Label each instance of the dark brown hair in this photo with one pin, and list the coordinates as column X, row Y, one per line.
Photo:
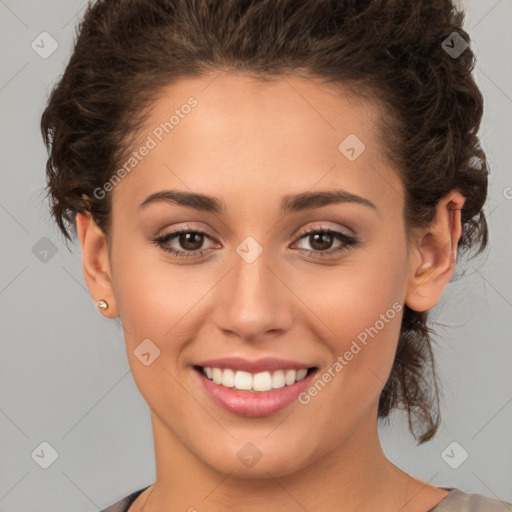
column 389, row 50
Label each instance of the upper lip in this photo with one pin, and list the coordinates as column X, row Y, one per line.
column 254, row 366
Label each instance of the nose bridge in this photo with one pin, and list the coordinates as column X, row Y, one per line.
column 252, row 300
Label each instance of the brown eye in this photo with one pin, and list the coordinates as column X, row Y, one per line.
column 190, row 241
column 184, row 243
column 321, row 241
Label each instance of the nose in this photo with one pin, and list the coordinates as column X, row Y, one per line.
column 253, row 300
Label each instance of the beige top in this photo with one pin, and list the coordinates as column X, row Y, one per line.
column 454, row 501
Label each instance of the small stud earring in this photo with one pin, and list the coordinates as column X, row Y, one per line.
column 102, row 304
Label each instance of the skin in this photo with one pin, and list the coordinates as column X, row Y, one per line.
column 242, row 136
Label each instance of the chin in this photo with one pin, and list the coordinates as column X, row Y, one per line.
column 258, row 460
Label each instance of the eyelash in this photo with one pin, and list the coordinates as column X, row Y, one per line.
column 347, row 242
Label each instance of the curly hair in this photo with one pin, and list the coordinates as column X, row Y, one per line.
column 392, row 51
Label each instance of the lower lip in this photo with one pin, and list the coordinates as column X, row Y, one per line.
column 256, row 403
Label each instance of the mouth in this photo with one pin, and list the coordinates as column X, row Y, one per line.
column 254, row 394
column 254, row 382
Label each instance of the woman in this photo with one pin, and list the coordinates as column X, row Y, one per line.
column 271, row 195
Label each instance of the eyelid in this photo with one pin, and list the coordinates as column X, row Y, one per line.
column 346, row 241
column 185, row 227
column 323, row 227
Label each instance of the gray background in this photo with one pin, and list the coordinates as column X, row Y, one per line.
column 64, row 375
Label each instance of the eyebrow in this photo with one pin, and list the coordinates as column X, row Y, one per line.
column 289, row 203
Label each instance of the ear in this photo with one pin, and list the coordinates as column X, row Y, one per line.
column 95, row 262
column 434, row 254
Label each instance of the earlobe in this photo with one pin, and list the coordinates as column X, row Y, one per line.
column 95, row 264
column 434, row 256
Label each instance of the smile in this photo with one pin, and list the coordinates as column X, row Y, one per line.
column 262, row 381
column 253, row 388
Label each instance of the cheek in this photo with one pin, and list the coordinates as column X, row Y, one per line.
column 354, row 295
column 155, row 301
column 360, row 308
column 153, row 295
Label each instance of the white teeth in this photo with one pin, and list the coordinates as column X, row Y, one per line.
column 301, row 374
column 217, row 375
column 263, row 381
column 228, row 378
column 243, row 380
column 289, row 377
column 278, row 379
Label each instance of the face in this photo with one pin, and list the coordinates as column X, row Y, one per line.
column 269, row 277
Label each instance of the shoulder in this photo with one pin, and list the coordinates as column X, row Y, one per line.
column 124, row 504
column 459, row 501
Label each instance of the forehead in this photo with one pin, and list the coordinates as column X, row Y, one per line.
column 258, row 139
